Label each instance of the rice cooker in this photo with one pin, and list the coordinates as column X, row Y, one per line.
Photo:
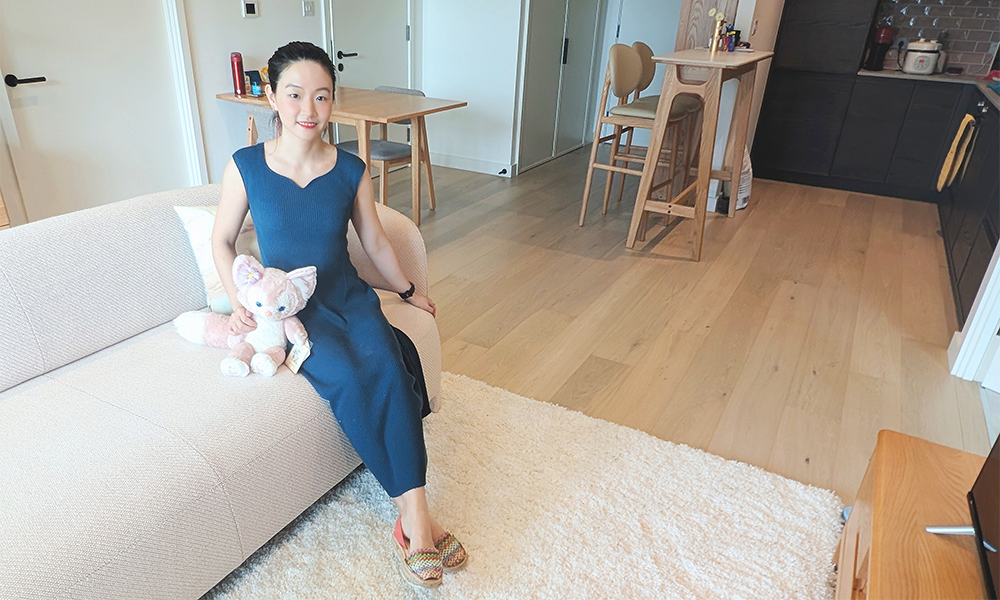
column 921, row 57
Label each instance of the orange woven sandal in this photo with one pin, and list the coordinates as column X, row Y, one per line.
column 453, row 555
column 421, row 567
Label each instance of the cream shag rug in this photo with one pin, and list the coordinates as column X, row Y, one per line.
column 551, row 503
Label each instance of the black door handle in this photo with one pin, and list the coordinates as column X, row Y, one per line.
column 12, row 80
column 341, row 55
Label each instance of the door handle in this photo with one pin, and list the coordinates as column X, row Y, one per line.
column 342, row 55
column 12, row 80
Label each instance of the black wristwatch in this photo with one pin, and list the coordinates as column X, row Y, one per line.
column 406, row 295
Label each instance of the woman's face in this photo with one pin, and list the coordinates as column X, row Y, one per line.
column 303, row 99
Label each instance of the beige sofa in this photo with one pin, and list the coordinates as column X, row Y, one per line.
column 130, row 467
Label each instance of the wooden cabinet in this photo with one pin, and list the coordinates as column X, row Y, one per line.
column 884, row 551
column 871, row 129
column 800, row 121
column 931, row 119
column 823, row 37
column 885, row 136
column 971, row 214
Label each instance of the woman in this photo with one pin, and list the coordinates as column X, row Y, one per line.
column 301, row 192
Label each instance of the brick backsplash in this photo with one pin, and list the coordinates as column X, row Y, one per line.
column 968, row 29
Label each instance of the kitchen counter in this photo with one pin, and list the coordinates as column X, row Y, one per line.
column 887, row 74
column 975, row 80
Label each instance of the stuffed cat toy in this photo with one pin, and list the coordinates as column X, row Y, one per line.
column 273, row 297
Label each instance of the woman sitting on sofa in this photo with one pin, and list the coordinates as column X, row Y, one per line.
column 302, row 192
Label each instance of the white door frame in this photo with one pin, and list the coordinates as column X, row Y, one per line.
column 970, row 347
column 179, row 45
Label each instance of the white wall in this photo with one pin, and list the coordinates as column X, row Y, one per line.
column 469, row 50
column 216, row 28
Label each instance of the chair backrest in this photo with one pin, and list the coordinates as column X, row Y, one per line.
column 399, row 90
column 648, row 67
column 263, row 118
column 625, row 69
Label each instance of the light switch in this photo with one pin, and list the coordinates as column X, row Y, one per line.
column 250, row 8
column 308, row 8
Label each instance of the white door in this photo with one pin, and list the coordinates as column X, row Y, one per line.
column 105, row 124
column 578, row 75
column 371, row 48
column 557, row 78
column 540, row 108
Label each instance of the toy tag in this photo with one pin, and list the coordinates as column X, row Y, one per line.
column 298, row 355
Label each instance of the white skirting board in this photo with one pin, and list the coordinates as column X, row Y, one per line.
column 471, row 164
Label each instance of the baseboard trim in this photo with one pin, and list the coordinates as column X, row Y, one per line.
column 471, row 164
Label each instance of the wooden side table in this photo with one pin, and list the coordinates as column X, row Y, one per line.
column 699, row 72
column 884, row 552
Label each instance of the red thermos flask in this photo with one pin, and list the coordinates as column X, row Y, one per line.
column 239, row 79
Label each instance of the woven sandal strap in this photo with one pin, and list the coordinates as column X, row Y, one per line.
column 423, row 559
column 447, row 545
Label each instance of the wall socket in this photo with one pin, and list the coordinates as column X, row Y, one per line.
column 250, row 9
column 308, row 8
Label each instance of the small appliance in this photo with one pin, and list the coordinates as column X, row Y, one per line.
column 880, row 44
column 921, row 57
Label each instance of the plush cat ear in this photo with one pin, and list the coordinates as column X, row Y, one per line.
column 246, row 271
column 305, row 280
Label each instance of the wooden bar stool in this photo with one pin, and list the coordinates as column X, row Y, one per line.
column 626, row 74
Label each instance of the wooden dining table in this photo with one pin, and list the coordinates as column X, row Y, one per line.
column 363, row 108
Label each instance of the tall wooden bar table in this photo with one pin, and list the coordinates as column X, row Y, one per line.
column 361, row 108
column 699, row 72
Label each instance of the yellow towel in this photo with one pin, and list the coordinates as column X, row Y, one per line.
column 956, row 153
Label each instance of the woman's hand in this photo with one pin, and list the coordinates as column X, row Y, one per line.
column 421, row 301
column 241, row 321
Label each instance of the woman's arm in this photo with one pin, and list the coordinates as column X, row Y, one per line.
column 229, row 219
column 377, row 246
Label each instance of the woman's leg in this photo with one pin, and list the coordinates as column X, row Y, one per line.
column 418, row 524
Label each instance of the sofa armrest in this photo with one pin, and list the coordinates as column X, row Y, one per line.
column 406, row 241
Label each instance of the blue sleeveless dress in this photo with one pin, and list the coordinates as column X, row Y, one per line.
column 358, row 361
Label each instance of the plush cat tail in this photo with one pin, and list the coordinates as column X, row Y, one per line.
column 208, row 329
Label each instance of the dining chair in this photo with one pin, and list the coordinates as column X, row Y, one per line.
column 386, row 154
column 627, row 74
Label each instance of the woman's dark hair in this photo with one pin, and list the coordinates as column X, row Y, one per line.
column 294, row 52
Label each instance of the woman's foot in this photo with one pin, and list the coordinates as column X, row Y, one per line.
column 453, row 554
column 421, row 566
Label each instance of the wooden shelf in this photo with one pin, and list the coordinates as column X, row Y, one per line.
column 884, row 551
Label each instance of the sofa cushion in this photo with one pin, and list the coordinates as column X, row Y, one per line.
column 93, row 494
column 74, row 284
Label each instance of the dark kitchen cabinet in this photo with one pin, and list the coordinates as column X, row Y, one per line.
column 823, row 37
column 975, row 268
column 931, row 119
column 970, row 217
column 867, row 134
column 871, row 129
column 800, row 121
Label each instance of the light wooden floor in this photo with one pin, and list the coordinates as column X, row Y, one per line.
column 816, row 317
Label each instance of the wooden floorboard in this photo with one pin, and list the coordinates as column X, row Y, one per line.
column 816, row 317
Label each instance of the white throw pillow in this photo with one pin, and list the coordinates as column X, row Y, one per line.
column 198, row 222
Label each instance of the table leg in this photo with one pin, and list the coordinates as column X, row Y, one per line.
column 710, row 120
column 418, row 131
column 251, row 131
column 364, row 136
column 738, row 132
column 667, row 95
column 426, row 153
